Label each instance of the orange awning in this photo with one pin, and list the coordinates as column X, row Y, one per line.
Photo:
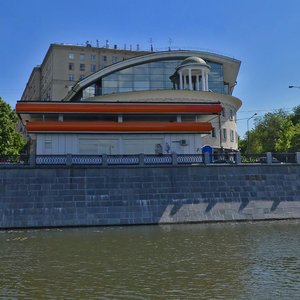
column 117, row 108
column 131, row 127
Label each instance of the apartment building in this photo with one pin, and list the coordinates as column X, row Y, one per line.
column 66, row 64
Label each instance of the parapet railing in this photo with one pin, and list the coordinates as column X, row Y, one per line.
column 110, row 160
column 235, row 158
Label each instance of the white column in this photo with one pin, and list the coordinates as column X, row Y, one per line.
column 203, row 80
column 190, row 79
column 197, row 83
column 181, row 83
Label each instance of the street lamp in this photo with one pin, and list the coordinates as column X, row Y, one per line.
column 248, row 135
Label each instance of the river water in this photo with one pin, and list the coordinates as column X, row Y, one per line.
column 253, row 260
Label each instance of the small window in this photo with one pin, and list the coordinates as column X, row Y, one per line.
column 213, row 132
column 71, row 77
column 231, row 135
column 231, row 115
column 93, row 68
column 82, row 67
column 71, row 56
column 114, row 59
column 82, row 56
column 93, row 57
column 224, row 134
column 81, row 77
column 104, row 58
column 223, row 112
column 71, row 66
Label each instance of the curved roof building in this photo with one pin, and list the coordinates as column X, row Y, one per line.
column 157, row 103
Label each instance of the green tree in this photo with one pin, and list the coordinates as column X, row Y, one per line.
column 273, row 132
column 296, row 115
column 295, row 143
column 11, row 142
column 242, row 145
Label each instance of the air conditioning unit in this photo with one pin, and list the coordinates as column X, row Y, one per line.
column 183, row 143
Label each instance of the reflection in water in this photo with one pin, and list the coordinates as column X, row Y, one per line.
column 258, row 260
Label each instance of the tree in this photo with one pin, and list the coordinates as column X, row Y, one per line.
column 242, row 145
column 273, row 132
column 295, row 143
column 11, row 142
column 296, row 115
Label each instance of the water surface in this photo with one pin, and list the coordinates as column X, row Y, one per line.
column 259, row 260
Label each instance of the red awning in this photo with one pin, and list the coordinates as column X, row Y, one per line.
column 117, row 108
column 114, row 127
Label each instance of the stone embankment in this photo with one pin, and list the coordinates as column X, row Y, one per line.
column 88, row 196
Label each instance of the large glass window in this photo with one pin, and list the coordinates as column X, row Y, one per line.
column 149, row 76
column 155, row 76
column 215, row 78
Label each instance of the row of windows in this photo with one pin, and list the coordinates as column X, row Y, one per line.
column 82, row 67
column 93, row 57
column 82, row 56
column 232, row 137
column 71, row 77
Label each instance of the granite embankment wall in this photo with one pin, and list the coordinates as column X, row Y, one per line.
column 80, row 196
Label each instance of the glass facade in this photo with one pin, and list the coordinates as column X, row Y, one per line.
column 153, row 76
column 216, row 79
column 149, row 76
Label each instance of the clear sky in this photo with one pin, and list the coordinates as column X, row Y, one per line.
column 263, row 34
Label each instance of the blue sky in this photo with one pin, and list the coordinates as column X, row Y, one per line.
column 264, row 35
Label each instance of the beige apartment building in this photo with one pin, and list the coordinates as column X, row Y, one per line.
column 66, row 64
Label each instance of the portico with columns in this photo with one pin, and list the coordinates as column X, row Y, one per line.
column 193, row 74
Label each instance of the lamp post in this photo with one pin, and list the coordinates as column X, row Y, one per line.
column 248, row 135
